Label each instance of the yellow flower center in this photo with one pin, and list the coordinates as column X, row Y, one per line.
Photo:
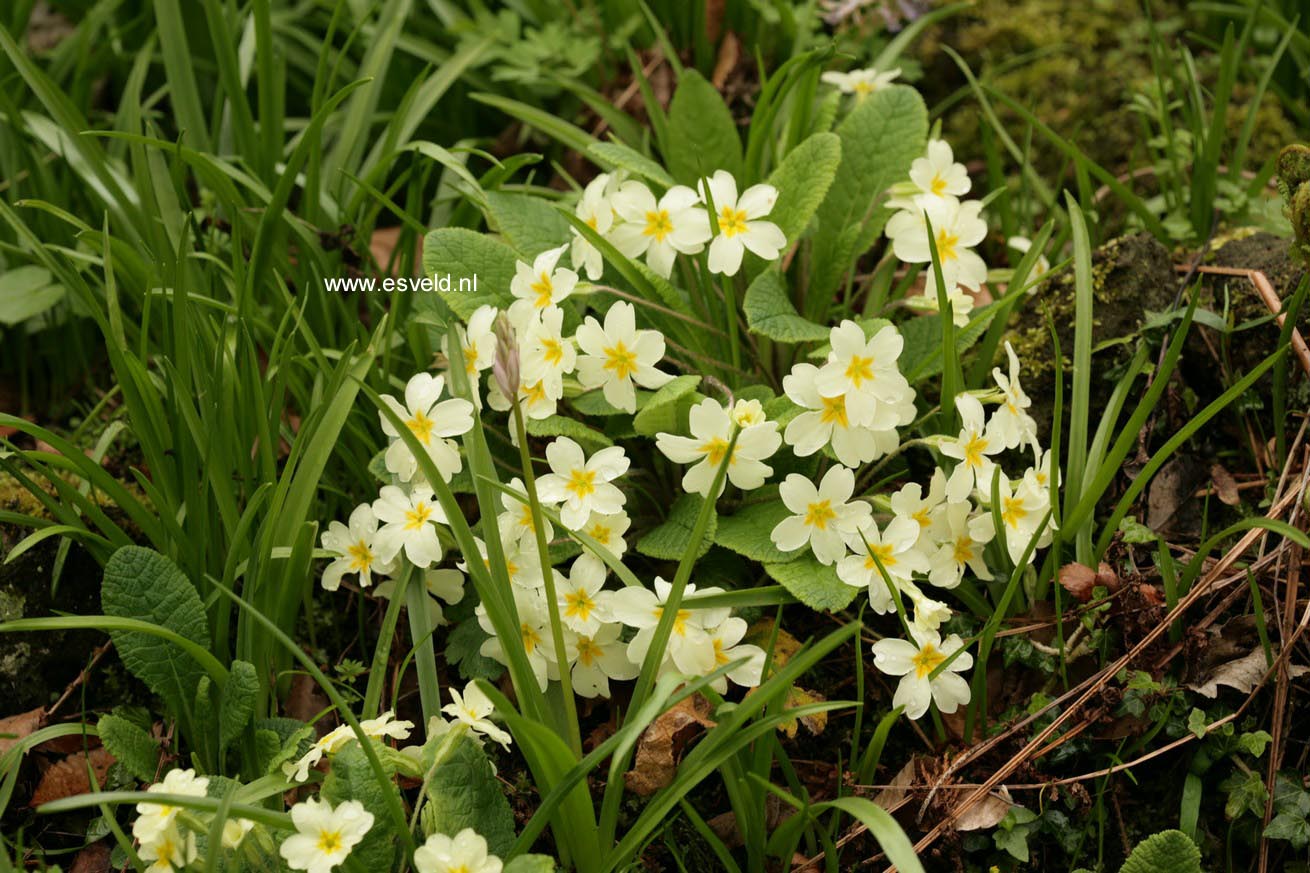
column 819, row 514
column 588, row 651
column 534, row 394
column 658, row 224
column 714, row 450
column 592, row 222
column 883, row 553
column 731, row 221
column 578, row 604
column 418, row 516
column 946, row 243
column 361, row 556
column 973, row 450
column 621, row 360
column 329, row 842
column 600, row 533
column 531, row 639
column 963, row 552
column 720, row 656
column 582, row 482
column 922, row 517
column 834, row 411
column 543, row 289
column 927, row 660
column 1013, row 511
column 862, row 88
column 421, row 426
column 859, row 370
column 553, row 351
column 937, row 185
column 679, row 623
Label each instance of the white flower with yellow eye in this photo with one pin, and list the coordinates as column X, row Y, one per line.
column 618, row 356
column 516, row 522
column 935, row 174
column 547, row 355
column 828, row 422
column 690, row 648
column 540, row 285
column 354, row 548
column 726, row 639
column 581, row 485
column 477, row 342
column 608, row 530
column 169, row 850
column 432, row 421
column 534, row 634
column 741, row 227
column 823, row 515
column 324, row 835
column 1023, row 512
column 861, row 83
column 659, row 230
column 863, row 370
column 1011, row 423
column 894, row 547
column 597, row 658
column 915, row 662
column 972, row 449
column 474, row 708
column 583, row 602
column 153, row 819
column 926, row 510
column 711, row 434
column 963, row 537
column 466, row 852
column 409, row 524
column 956, row 228
column 595, row 209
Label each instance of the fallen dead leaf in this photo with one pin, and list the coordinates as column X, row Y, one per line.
column 94, row 858
column 898, row 790
column 1079, row 579
column 69, row 778
column 784, row 644
column 1225, row 486
column 19, row 727
column 986, row 813
column 305, row 700
column 662, row 744
column 1242, row 674
column 813, row 723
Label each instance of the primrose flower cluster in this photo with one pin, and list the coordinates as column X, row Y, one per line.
column 531, row 359
column 322, row 835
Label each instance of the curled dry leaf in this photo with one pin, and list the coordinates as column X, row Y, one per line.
column 784, row 645
column 1079, row 579
column 814, row 723
column 897, row 792
column 662, row 744
column 1225, row 486
column 94, row 858
column 986, row 813
column 19, row 727
column 69, row 777
column 1242, row 674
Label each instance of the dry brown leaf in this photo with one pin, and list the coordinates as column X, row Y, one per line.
column 662, row 744
column 897, row 793
column 68, row 778
column 19, row 727
column 1225, row 486
column 784, row 644
column 94, row 858
column 305, row 700
column 814, row 723
column 1079, row 579
column 986, row 813
column 1242, row 674
column 726, row 62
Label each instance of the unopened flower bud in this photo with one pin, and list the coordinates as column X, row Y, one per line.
column 505, row 370
column 748, row 412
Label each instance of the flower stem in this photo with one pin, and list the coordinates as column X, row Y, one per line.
column 378, row 672
column 548, row 576
column 425, row 659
